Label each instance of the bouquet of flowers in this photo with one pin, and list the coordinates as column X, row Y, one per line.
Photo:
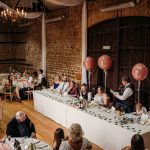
column 5, row 81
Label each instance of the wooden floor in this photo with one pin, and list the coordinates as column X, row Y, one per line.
column 44, row 126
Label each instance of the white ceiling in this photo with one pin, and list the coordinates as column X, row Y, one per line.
column 28, row 4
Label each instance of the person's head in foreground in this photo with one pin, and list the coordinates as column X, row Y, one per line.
column 137, row 142
column 58, row 137
column 75, row 139
column 75, row 133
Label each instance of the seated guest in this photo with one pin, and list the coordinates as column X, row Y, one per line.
column 18, row 83
column 35, row 78
column 13, row 72
column 101, row 97
column 20, row 126
column 24, row 85
column 140, row 109
column 9, row 86
column 58, row 137
column 40, row 77
column 119, row 112
column 126, row 99
column 24, row 73
column 63, row 86
column 75, row 139
column 84, row 93
column 137, row 143
column 72, row 90
column 56, row 83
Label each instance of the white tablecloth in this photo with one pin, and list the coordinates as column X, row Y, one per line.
column 25, row 143
column 50, row 108
column 99, row 126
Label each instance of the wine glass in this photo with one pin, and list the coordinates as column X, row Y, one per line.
column 9, row 137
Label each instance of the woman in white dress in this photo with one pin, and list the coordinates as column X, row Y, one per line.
column 101, row 97
column 75, row 139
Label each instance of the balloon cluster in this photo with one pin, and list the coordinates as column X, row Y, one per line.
column 139, row 71
column 104, row 62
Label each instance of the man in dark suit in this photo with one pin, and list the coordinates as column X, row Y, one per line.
column 20, row 126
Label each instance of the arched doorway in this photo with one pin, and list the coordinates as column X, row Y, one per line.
column 129, row 41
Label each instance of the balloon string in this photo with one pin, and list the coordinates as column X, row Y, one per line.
column 89, row 80
column 139, row 85
column 105, row 72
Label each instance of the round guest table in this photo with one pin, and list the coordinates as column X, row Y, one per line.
column 25, row 144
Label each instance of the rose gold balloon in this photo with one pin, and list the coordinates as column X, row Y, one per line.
column 139, row 71
column 88, row 63
column 104, row 62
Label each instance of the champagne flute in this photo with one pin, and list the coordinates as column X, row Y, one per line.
column 9, row 137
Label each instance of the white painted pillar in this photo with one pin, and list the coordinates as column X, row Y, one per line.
column 43, row 44
column 84, row 40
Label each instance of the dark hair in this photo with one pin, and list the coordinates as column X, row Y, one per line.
column 137, row 142
column 84, row 84
column 73, row 83
column 10, row 80
column 41, row 71
column 101, row 88
column 59, row 136
column 119, row 108
column 35, row 74
column 125, row 78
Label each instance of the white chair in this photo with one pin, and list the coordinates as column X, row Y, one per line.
column 29, row 92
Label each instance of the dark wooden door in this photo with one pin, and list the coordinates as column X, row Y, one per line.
column 129, row 41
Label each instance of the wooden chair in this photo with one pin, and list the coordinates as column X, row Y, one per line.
column 29, row 92
column 8, row 91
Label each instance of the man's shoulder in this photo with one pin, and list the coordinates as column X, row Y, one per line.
column 13, row 120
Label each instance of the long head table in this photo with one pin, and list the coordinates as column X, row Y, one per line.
column 99, row 126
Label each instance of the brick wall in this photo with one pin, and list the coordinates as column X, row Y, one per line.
column 34, row 46
column 5, row 49
column 25, row 49
column 64, row 44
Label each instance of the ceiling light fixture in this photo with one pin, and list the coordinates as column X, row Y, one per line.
column 12, row 15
